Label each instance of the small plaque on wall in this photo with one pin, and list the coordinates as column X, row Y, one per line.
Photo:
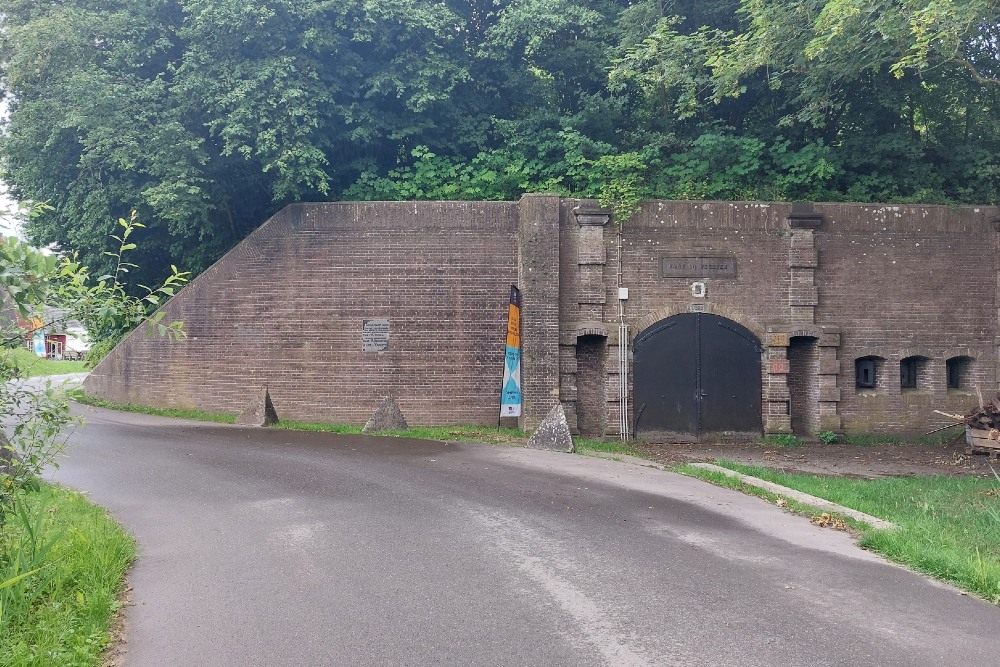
column 375, row 336
column 697, row 267
column 778, row 339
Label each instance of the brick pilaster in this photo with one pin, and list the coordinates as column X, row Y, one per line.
column 538, row 278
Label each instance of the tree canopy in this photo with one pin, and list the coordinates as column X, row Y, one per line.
column 209, row 115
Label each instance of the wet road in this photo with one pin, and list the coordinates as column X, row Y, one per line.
column 268, row 548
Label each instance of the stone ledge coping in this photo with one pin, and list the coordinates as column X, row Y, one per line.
column 798, row 496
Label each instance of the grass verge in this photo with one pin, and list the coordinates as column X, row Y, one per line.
column 180, row 413
column 466, row 433
column 35, row 366
column 462, row 433
column 586, row 445
column 949, row 527
column 61, row 614
column 488, row 434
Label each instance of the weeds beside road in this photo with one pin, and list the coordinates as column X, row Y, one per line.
column 948, row 526
column 62, row 561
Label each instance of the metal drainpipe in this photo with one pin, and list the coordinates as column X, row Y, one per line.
column 622, row 350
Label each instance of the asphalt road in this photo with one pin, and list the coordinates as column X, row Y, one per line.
column 263, row 547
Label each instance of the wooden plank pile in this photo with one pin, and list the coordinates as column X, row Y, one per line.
column 982, row 427
column 985, row 417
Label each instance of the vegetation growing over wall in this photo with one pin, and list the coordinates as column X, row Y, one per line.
column 211, row 115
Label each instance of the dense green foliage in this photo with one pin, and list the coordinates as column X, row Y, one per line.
column 211, row 115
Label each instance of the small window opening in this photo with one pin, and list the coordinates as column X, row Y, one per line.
column 913, row 373
column 908, row 373
column 864, row 373
column 958, row 370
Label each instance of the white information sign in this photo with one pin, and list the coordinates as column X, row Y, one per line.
column 375, row 336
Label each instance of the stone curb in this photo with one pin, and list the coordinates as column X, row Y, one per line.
column 798, row 496
column 623, row 458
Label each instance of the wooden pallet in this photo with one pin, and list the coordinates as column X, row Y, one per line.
column 981, row 441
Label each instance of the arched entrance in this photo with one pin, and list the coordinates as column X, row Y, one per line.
column 696, row 374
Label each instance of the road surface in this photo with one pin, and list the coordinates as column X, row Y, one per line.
column 271, row 547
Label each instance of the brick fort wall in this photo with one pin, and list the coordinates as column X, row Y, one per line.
column 287, row 306
column 821, row 286
column 830, row 282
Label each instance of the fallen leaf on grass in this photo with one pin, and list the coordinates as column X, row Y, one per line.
column 781, row 502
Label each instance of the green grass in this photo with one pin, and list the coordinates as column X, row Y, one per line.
column 317, row 426
column 180, row 413
column 720, row 479
column 942, row 437
column 781, row 440
column 584, row 445
column 463, row 433
column 488, row 434
column 61, row 615
column 949, row 527
column 38, row 366
column 466, row 433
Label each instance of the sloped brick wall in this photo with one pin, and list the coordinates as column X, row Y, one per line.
column 286, row 308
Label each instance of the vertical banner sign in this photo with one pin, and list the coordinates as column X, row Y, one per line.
column 510, row 393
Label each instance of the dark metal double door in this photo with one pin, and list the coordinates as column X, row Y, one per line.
column 696, row 374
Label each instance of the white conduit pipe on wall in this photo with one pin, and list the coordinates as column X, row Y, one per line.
column 622, row 350
column 623, row 380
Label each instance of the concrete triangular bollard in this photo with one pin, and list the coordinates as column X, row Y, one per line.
column 553, row 433
column 260, row 411
column 388, row 417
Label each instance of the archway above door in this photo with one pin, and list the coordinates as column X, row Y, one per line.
column 696, row 375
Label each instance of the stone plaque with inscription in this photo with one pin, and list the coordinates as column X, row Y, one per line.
column 697, row 267
column 375, row 336
column 778, row 340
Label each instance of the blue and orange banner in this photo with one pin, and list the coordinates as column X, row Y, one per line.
column 510, row 393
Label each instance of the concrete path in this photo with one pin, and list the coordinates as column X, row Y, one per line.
column 279, row 548
column 64, row 381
